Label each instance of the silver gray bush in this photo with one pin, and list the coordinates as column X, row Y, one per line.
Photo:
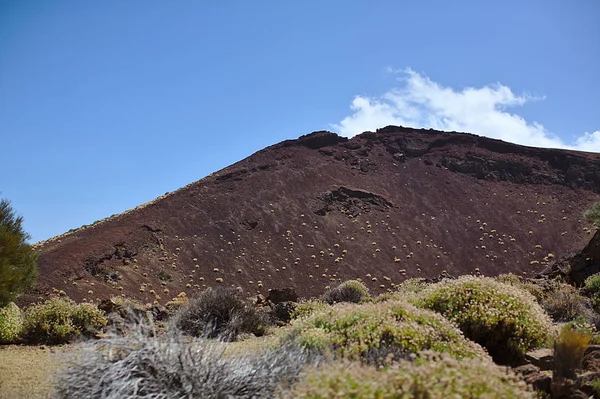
column 143, row 366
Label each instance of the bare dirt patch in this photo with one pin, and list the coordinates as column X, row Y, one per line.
column 27, row 371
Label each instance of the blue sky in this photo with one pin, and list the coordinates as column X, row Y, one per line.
column 105, row 105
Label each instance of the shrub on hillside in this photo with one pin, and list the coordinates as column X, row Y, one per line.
column 591, row 288
column 394, row 327
column 564, row 303
column 219, row 313
column 520, row 282
column 306, row 308
column 408, row 290
column 504, row 319
column 172, row 367
column 18, row 261
column 11, row 323
column 352, row 291
column 593, row 214
column 60, row 320
column 434, row 376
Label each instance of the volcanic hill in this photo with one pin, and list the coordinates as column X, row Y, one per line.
column 383, row 206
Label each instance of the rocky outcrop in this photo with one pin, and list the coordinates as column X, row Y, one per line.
column 576, row 267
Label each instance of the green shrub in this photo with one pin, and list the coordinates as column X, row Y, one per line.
column 220, row 313
column 60, row 320
column 309, row 307
column 11, row 323
column 370, row 330
column 433, row 376
column 504, row 319
column 352, row 291
column 18, row 261
column 593, row 214
column 592, row 289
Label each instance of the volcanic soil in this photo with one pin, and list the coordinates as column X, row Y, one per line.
column 383, row 206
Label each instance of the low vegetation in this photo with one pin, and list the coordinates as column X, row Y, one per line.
column 569, row 349
column 504, row 319
column 352, row 291
column 173, row 367
column 592, row 288
column 593, row 214
column 11, row 323
column 431, row 376
column 308, row 307
column 60, row 320
column 363, row 331
column 564, row 303
column 220, row 313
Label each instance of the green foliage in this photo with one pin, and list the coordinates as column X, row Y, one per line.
column 432, row 376
column 504, row 319
column 309, row 307
column 352, row 291
column 569, row 350
column 593, row 214
column 393, row 327
column 592, row 288
column 11, row 323
column 18, row 261
column 60, row 320
column 220, row 313
column 596, row 386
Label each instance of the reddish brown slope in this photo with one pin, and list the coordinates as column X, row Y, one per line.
column 306, row 213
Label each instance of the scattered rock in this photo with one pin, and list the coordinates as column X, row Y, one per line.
column 282, row 295
column 532, row 375
column 109, row 306
column 576, row 267
column 283, row 311
column 542, row 358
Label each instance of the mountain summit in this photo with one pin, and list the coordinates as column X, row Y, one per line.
column 383, row 206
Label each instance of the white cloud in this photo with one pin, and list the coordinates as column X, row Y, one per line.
column 420, row 102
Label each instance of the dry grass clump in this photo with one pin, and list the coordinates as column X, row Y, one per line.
column 433, row 376
column 11, row 323
column 174, row 366
column 394, row 327
column 220, row 313
column 504, row 319
column 564, row 303
column 352, row 291
column 60, row 320
column 569, row 350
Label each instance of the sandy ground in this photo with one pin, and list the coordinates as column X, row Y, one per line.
column 27, row 371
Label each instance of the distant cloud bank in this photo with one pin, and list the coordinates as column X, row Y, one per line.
column 420, row 102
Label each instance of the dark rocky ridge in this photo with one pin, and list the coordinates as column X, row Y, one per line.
column 311, row 212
